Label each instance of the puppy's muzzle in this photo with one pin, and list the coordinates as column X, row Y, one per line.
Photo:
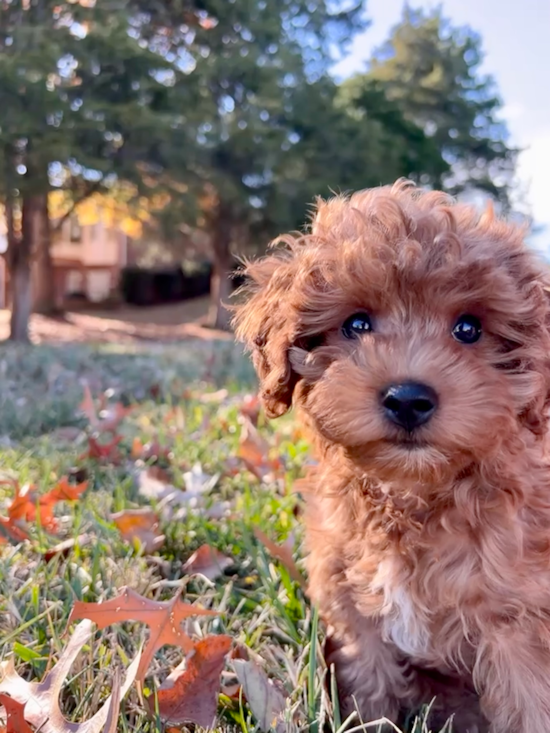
column 409, row 404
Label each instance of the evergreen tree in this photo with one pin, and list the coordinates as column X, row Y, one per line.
column 79, row 100
column 430, row 70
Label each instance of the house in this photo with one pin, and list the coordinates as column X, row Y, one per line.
column 87, row 261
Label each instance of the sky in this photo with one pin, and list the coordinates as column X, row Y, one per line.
column 516, row 41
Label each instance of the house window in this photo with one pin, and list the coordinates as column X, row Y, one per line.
column 75, row 229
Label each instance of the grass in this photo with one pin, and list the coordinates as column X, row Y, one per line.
column 41, row 437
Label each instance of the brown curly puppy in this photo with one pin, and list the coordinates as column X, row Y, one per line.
column 413, row 336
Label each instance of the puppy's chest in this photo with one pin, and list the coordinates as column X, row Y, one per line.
column 407, row 619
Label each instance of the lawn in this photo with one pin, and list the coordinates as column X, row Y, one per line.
column 168, row 430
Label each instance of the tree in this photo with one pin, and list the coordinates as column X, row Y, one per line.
column 79, row 97
column 248, row 62
column 429, row 69
column 344, row 138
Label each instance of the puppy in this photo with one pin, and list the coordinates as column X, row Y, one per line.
column 412, row 335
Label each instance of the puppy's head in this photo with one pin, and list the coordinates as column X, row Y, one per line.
column 412, row 331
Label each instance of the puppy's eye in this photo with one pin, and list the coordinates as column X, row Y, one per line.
column 467, row 329
column 356, row 325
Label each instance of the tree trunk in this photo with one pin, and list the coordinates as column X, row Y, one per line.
column 43, row 274
column 220, row 292
column 220, row 284
column 21, row 302
column 20, row 257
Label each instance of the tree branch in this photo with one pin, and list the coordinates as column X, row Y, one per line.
column 92, row 188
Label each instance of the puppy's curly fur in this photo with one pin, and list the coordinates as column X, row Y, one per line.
column 428, row 549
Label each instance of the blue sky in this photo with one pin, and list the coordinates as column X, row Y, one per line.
column 516, row 40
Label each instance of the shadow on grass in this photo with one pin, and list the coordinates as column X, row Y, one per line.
column 42, row 386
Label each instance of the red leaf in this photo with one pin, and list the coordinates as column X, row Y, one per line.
column 15, row 712
column 103, row 451
column 164, row 619
column 254, row 452
column 191, row 695
column 141, row 525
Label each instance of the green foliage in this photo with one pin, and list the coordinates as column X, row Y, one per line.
column 430, row 70
column 228, row 109
column 79, row 97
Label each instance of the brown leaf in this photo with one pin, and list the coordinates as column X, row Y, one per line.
column 164, row 619
column 103, row 451
column 112, row 715
column 108, row 419
column 10, row 532
column 266, row 701
column 139, row 525
column 62, row 491
column 207, row 561
column 251, row 407
column 254, row 452
column 283, row 553
column 27, row 504
column 15, row 718
column 41, row 699
column 87, row 406
column 190, row 695
column 148, row 451
column 25, row 497
column 156, row 485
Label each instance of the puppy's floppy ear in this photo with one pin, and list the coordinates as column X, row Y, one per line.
column 265, row 322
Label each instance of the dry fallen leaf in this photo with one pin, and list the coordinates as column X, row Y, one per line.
column 251, row 407
column 207, row 561
column 154, row 485
column 254, row 452
column 10, row 532
column 103, row 451
column 41, row 699
column 266, row 701
column 147, row 451
column 174, row 504
column 141, row 526
column 197, row 482
column 87, row 406
column 164, row 619
column 108, row 418
column 190, row 693
column 15, row 718
column 283, row 553
column 27, row 505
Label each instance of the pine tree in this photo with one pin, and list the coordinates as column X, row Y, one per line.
column 429, row 69
column 79, row 99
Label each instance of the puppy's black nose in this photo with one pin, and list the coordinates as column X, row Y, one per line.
column 409, row 404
